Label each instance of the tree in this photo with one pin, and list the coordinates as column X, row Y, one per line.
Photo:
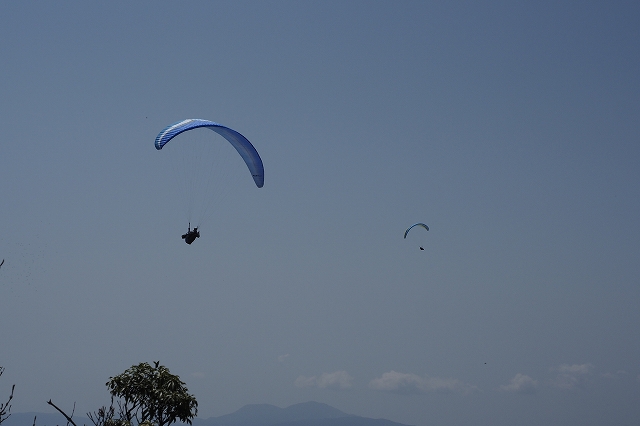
column 151, row 394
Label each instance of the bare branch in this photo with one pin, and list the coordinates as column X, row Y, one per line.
column 69, row 419
column 5, row 409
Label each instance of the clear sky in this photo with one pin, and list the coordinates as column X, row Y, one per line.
column 511, row 128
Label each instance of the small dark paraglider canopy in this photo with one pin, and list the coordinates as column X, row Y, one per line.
column 419, row 225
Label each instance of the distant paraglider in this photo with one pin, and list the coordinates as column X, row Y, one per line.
column 420, row 225
column 240, row 143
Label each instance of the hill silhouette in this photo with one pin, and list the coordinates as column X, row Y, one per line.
column 304, row 414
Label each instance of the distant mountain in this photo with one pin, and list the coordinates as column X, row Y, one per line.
column 343, row 421
column 304, row 414
column 265, row 415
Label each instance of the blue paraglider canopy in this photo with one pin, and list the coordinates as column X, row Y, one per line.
column 239, row 142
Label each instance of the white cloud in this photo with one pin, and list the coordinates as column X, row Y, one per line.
column 335, row 380
column 614, row 376
column 571, row 376
column 521, row 384
column 405, row 383
column 575, row 369
column 281, row 358
column 305, row 382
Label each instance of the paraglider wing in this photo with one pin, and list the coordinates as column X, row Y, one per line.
column 415, row 224
column 239, row 142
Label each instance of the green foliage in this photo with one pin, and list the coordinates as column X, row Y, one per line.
column 151, row 394
column 106, row 417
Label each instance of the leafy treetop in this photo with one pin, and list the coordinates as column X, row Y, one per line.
column 152, row 394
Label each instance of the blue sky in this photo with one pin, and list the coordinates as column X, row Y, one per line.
column 510, row 128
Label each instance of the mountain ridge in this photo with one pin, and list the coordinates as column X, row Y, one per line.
column 309, row 413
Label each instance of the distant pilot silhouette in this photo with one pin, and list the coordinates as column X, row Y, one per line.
column 191, row 236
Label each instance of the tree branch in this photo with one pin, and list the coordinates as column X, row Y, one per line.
column 69, row 419
column 5, row 409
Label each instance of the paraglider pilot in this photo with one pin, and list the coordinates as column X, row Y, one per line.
column 191, row 236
